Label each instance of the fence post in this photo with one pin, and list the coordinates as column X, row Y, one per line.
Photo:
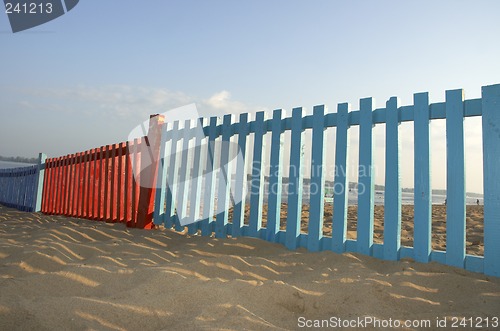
column 150, row 155
column 39, row 181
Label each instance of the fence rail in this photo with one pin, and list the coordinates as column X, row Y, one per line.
column 210, row 191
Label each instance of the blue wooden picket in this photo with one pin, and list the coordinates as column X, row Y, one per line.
column 455, row 179
column 295, row 181
column 491, row 175
column 223, row 196
column 366, row 182
column 240, row 177
column 341, row 183
column 257, row 183
column 275, row 179
column 315, row 226
column 392, row 198
column 185, row 176
column 172, row 177
column 199, row 161
column 209, row 178
column 422, row 179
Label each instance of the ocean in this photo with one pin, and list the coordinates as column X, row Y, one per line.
column 8, row 165
column 406, row 197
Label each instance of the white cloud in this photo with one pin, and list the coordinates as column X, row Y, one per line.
column 221, row 102
column 125, row 102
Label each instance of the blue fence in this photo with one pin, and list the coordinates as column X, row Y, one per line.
column 201, row 178
column 21, row 188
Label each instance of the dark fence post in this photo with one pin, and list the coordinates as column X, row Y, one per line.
column 150, row 156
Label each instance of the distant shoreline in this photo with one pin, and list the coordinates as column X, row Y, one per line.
column 10, row 164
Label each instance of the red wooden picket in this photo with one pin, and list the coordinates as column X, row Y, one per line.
column 71, row 189
column 98, row 177
column 120, row 184
column 85, row 183
column 81, row 179
column 67, row 186
column 112, row 197
column 76, row 180
column 90, row 183
column 129, row 178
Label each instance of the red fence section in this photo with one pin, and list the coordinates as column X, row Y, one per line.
column 99, row 184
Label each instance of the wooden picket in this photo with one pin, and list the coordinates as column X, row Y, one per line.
column 216, row 168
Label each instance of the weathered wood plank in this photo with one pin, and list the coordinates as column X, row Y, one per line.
column 275, row 179
column 392, row 197
column 341, row 183
column 455, row 179
column 366, row 181
column 491, row 175
column 209, row 178
column 422, row 179
column 317, row 184
column 240, row 176
column 295, row 182
column 257, row 183
column 225, row 171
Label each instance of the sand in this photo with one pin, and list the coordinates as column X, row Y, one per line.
column 60, row 273
column 474, row 224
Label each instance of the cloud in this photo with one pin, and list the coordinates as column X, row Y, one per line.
column 124, row 102
column 221, row 102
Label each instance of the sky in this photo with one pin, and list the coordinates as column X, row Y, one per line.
column 89, row 77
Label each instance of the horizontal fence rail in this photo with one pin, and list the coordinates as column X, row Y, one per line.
column 203, row 178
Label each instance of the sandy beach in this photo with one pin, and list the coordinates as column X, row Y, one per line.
column 59, row 273
column 474, row 224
